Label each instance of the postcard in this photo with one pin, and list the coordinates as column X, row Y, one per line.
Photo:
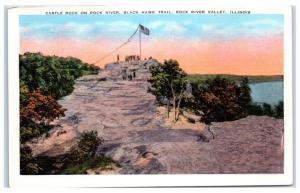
column 109, row 96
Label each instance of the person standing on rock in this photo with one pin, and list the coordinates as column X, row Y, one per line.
column 124, row 74
column 118, row 57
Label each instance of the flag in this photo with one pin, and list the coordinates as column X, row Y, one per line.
column 144, row 30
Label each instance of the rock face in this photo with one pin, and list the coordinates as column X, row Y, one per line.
column 124, row 113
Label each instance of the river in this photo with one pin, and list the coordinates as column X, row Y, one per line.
column 267, row 92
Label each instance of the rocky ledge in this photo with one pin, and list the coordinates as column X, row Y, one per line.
column 125, row 115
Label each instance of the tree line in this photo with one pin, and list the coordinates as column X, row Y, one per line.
column 214, row 99
column 44, row 80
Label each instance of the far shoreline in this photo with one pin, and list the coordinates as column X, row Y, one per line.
column 252, row 78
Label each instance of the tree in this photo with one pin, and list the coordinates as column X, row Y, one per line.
column 53, row 75
column 43, row 80
column 41, row 108
column 267, row 109
column 217, row 100
column 244, row 94
column 36, row 112
column 220, row 99
column 279, row 108
column 168, row 84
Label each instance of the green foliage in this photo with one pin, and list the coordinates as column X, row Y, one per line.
column 87, row 146
column 81, row 158
column 168, row 84
column 218, row 99
column 84, row 157
column 201, row 78
column 54, row 75
column 244, row 94
column 43, row 80
column 24, row 91
column 261, row 109
column 40, row 108
column 255, row 109
column 164, row 77
column 28, row 162
column 36, row 112
column 279, row 109
column 266, row 109
column 89, row 163
column 30, row 130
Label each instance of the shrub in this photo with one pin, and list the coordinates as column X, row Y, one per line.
column 36, row 112
column 87, row 146
column 31, row 130
column 89, row 163
column 255, row 109
column 83, row 156
column 28, row 164
column 279, row 110
column 218, row 99
column 266, row 109
column 40, row 108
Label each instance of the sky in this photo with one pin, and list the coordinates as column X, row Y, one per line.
column 202, row 44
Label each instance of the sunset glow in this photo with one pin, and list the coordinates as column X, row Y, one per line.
column 246, row 45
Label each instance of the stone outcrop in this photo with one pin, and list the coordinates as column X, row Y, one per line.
column 124, row 114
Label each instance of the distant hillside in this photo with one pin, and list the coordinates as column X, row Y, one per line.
column 252, row 79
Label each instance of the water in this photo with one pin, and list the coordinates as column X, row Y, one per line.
column 267, row 92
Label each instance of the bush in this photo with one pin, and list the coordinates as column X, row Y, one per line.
column 87, row 147
column 255, row 109
column 36, row 112
column 89, row 163
column 31, row 130
column 40, row 108
column 266, row 109
column 279, row 110
column 84, row 157
column 219, row 99
column 28, row 164
column 81, row 158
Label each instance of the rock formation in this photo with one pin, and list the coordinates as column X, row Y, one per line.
column 124, row 114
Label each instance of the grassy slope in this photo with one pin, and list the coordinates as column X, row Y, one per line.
column 252, row 79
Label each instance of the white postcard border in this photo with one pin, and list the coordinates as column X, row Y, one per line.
column 15, row 179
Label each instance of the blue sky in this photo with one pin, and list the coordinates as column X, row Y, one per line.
column 184, row 25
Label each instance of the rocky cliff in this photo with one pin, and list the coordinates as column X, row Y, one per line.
column 125, row 115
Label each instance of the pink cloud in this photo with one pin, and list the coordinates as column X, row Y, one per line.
column 256, row 56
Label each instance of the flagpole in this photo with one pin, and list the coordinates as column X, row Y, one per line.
column 140, row 43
